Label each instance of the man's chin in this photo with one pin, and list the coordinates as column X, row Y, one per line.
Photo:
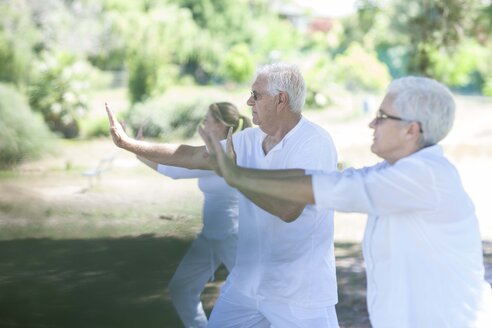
column 374, row 149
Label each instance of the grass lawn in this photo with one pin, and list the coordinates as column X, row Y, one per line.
column 71, row 257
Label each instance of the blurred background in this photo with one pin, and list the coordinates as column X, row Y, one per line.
column 89, row 237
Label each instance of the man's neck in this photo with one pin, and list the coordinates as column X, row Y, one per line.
column 273, row 138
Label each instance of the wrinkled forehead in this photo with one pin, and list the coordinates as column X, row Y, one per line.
column 260, row 83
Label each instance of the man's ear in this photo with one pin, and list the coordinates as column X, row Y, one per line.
column 283, row 100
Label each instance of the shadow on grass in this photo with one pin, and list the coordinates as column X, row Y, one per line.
column 351, row 280
column 122, row 282
column 89, row 282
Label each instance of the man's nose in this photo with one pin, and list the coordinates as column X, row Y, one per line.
column 250, row 101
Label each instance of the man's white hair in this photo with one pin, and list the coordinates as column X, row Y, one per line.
column 285, row 78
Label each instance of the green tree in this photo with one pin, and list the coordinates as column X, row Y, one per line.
column 159, row 43
column 18, row 40
column 432, row 25
column 483, row 33
column 457, row 69
column 221, row 17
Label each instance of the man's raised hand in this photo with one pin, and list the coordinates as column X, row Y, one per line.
column 223, row 164
column 115, row 128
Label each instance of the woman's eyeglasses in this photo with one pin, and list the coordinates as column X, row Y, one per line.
column 381, row 116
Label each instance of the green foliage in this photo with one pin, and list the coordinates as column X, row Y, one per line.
column 13, row 63
column 111, row 50
column 94, row 127
column 483, row 24
column 485, row 69
column 148, row 75
column 395, row 57
column 59, row 91
column 23, row 134
column 360, row 69
column 424, row 35
column 162, row 118
column 432, row 25
column 455, row 69
column 319, row 80
column 324, row 41
column 274, row 38
column 18, row 38
column 365, row 24
column 234, row 16
column 162, row 42
column 487, row 87
column 239, row 63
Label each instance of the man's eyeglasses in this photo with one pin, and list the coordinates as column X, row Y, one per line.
column 255, row 95
column 380, row 116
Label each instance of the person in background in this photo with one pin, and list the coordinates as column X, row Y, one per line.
column 217, row 241
column 284, row 274
column 422, row 245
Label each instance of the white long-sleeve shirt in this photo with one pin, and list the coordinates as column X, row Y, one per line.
column 221, row 202
column 422, row 245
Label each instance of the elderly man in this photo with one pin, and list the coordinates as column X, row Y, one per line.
column 284, row 274
column 422, row 244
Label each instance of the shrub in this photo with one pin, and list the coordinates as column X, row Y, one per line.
column 484, row 71
column 18, row 38
column 23, row 134
column 319, row 82
column 455, row 69
column 162, row 118
column 14, row 63
column 162, row 41
column 487, row 87
column 148, row 74
column 94, row 127
column 239, row 64
column 274, row 38
column 359, row 69
column 59, row 91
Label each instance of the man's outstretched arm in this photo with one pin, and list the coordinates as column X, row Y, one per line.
column 191, row 157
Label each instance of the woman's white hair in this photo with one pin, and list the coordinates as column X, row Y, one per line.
column 426, row 101
column 285, row 78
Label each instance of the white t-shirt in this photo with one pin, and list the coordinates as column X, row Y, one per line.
column 422, row 244
column 289, row 262
column 221, row 202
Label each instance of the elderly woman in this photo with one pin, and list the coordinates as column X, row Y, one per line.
column 422, row 245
